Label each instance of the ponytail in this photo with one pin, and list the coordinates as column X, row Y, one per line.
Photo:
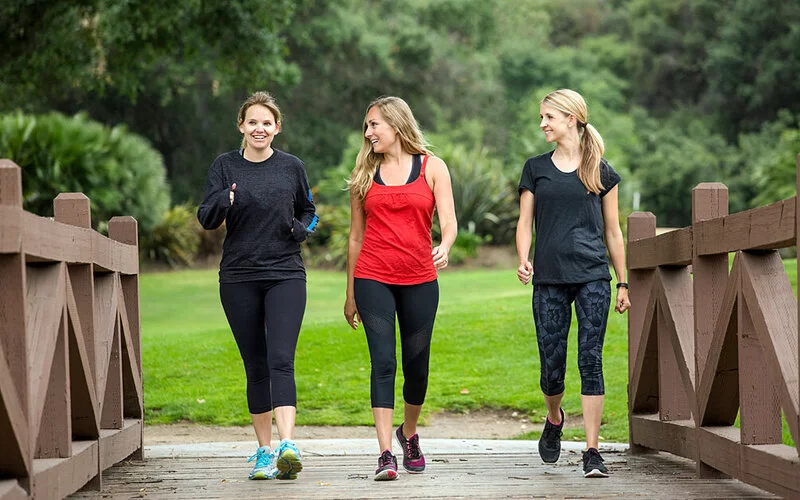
column 592, row 149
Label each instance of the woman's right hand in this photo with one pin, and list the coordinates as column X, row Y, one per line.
column 351, row 313
column 233, row 186
column 525, row 272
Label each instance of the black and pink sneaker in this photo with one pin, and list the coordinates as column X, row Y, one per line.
column 387, row 467
column 413, row 459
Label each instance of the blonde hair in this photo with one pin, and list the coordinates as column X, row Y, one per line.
column 570, row 102
column 399, row 116
column 262, row 98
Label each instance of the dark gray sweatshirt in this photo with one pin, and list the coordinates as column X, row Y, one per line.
column 272, row 213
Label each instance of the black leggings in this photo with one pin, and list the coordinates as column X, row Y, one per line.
column 265, row 317
column 415, row 307
column 552, row 314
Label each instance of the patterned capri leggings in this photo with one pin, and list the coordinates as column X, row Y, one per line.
column 552, row 313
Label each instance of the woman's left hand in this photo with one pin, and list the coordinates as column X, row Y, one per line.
column 439, row 257
column 623, row 301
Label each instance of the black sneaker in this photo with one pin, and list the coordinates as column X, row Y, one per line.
column 387, row 467
column 413, row 459
column 550, row 442
column 593, row 464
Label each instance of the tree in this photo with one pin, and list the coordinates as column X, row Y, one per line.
column 98, row 46
column 752, row 67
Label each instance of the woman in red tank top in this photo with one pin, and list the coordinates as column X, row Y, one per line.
column 392, row 266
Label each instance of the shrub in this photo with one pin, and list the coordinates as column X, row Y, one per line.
column 484, row 198
column 119, row 171
column 465, row 247
column 328, row 246
column 175, row 240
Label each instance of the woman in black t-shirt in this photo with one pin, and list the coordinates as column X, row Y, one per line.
column 262, row 195
column 570, row 194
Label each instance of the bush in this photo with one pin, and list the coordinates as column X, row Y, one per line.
column 485, row 200
column 119, row 171
column 175, row 240
column 465, row 247
column 328, row 246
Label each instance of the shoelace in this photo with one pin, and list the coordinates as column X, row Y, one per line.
column 551, row 431
column 258, row 455
column 412, row 447
column 386, row 459
column 593, row 457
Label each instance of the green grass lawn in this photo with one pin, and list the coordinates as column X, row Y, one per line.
column 483, row 355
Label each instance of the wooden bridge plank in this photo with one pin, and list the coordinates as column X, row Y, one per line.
column 447, row 476
column 677, row 436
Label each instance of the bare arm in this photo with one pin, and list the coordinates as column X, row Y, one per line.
column 438, row 178
column 524, row 237
column 356, row 239
column 616, row 246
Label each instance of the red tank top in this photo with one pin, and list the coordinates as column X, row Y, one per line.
column 397, row 239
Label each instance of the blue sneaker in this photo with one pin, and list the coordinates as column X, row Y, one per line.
column 265, row 464
column 289, row 462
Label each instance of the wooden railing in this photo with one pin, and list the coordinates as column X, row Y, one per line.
column 70, row 355
column 708, row 344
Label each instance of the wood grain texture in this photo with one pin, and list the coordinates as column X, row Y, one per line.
column 447, row 476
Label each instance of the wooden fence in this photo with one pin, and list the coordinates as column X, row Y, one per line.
column 70, row 356
column 710, row 341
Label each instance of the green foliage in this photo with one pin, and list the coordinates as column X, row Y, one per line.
column 752, row 69
column 770, row 156
column 175, row 240
column 328, row 246
column 682, row 153
column 119, row 171
column 465, row 246
column 485, row 199
column 671, row 40
column 51, row 48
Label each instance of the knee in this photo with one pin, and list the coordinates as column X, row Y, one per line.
column 256, row 370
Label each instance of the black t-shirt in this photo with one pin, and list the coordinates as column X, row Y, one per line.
column 569, row 246
column 272, row 213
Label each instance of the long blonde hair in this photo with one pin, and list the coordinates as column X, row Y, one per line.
column 262, row 98
column 399, row 116
column 570, row 102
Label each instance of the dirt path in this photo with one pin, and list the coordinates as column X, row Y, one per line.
column 484, row 424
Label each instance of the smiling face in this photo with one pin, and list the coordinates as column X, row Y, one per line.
column 555, row 124
column 378, row 132
column 259, row 127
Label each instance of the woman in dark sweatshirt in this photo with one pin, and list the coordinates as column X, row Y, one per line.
column 263, row 196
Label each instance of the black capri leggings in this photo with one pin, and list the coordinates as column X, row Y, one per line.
column 265, row 317
column 552, row 314
column 415, row 307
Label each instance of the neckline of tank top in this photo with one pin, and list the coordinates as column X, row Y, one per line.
column 413, row 175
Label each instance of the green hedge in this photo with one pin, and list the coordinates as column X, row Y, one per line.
column 118, row 170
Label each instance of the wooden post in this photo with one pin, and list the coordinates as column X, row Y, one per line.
column 15, row 455
column 12, row 293
column 75, row 209
column 126, row 230
column 640, row 225
column 10, row 184
column 797, row 246
column 709, row 201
